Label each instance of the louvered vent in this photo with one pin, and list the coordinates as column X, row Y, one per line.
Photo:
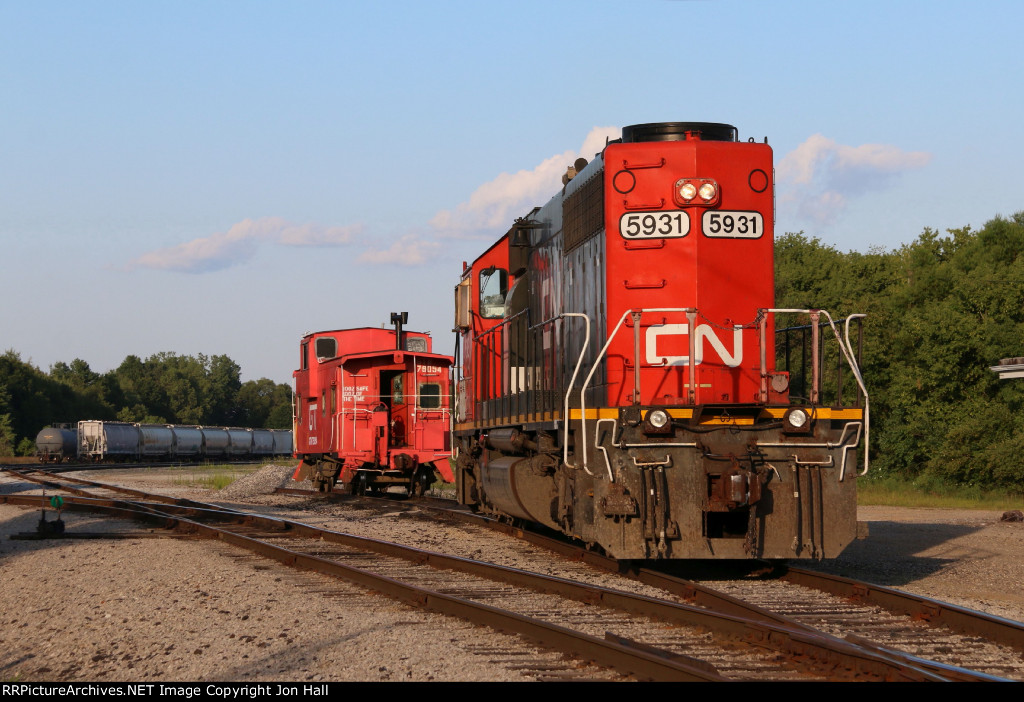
column 583, row 212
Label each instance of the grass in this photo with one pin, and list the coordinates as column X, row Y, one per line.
column 211, row 477
column 925, row 492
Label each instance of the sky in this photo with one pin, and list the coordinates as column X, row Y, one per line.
column 222, row 177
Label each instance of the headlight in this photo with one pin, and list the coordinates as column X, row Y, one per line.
column 688, row 191
column 657, row 418
column 796, row 420
column 708, row 191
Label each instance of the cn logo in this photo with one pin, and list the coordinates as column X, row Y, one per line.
column 704, row 333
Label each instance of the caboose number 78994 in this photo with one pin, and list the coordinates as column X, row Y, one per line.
column 625, row 377
column 371, row 409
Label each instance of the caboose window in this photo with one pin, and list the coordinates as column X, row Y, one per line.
column 326, row 347
column 493, row 288
column 430, row 395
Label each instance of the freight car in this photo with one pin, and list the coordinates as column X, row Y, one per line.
column 372, row 409
column 620, row 379
column 101, row 441
column 57, row 443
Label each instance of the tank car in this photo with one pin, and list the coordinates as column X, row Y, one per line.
column 619, row 375
column 372, row 409
column 57, row 443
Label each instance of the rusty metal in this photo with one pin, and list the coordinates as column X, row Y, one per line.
column 933, row 612
column 746, row 623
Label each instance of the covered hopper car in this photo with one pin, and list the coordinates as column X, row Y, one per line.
column 102, row 441
column 623, row 374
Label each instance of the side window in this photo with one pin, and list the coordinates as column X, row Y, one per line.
column 326, row 347
column 430, row 395
column 493, row 288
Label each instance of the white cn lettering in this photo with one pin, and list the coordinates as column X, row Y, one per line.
column 704, row 333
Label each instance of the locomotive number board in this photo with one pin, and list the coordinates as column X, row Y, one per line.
column 672, row 224
column 732, row 225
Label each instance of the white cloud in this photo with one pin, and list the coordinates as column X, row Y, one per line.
column 240, row 243
column 819, row 177
column 410, row 250
column 495, row 204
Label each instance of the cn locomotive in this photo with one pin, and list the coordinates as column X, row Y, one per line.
column 625, row 378
column 372, row 410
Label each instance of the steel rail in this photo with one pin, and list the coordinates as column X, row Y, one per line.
column 930, row 611
column 807, row 646
column 934, row 612
column 753, row 625
column 642, row 662
column 995, row 629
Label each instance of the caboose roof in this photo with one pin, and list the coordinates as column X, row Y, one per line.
column 387, row 330
column 439, row 358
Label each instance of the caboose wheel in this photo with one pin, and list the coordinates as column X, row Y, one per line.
column 360, row 484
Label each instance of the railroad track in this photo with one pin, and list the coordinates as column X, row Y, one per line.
column 889, row 620
column 625, row 632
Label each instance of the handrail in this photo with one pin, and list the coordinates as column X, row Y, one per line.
column 600, row 356
column 851, row 360
column 568, row 391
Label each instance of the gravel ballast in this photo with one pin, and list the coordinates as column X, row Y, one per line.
column 163, row 609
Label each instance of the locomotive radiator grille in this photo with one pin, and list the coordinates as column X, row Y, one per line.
column 583, row 213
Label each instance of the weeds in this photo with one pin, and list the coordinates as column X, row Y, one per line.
column 926, row 491
column 212, row 477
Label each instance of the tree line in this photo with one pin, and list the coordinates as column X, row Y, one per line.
column 941, row 311
column 163, row 389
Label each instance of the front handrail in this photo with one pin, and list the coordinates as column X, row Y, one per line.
column 761, row 321
column 851, row 360
column 690, row 312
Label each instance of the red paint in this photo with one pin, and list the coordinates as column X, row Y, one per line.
column 370, row 402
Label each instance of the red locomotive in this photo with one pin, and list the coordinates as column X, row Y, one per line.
column 621, row 378
column 372, row 409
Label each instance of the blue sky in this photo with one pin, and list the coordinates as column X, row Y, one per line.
column 222, row 177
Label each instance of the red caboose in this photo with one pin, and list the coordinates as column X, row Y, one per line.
column 372, row 409
column 621, row 379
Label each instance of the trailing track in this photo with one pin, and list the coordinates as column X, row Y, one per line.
column 749, row 644
column 889, row 620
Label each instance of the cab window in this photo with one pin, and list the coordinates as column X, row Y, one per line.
column 493, row 288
